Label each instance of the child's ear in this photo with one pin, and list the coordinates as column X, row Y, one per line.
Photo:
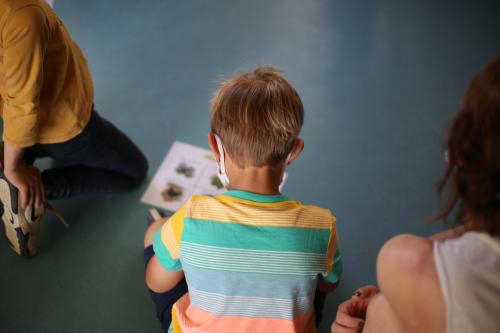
column 296, row 150
column 213, row 146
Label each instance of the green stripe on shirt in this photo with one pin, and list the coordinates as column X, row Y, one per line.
column 233, row 235
column 163, row 255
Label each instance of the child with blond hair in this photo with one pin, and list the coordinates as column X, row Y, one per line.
column 251, row 259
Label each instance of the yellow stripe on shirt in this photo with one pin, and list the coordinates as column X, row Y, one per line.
column 280, row 214
column 171, row 232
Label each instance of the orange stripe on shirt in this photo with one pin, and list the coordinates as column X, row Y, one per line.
column 190, row 319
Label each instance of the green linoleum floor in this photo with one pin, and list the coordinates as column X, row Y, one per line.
column 378, row 80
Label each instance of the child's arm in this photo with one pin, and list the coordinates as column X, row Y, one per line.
column 327, row 287
column 160, row 280
column 164, row 269
column 329, row 281
column 24, row 38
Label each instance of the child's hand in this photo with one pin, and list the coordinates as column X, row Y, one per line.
column 24, row 177
column 27, row 180
column 1, row 156
column 352, row 313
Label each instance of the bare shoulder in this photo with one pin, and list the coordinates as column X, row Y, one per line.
column 406, row 253
column 407, row 277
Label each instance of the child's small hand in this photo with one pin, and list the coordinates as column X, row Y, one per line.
column 352, row 313
column 26, row 178
column 1, row 156
column 28, row 181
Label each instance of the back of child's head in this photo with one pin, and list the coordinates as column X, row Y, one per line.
column 258, row 116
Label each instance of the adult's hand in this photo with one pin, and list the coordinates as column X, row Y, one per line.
column 352, row 313
column 24, row 177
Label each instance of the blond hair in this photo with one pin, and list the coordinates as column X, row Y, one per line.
column 258, row 116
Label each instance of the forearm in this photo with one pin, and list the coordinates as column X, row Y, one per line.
column 12, row 157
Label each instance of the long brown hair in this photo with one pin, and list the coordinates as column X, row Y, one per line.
column 471, row 181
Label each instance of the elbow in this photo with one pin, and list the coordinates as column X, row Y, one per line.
column 147, row 279
column 151, row 280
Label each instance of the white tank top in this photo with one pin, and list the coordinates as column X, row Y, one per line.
column 468, row 268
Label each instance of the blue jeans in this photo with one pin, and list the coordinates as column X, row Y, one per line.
column 100, row 160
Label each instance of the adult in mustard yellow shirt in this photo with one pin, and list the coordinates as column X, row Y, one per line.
column 46, row 103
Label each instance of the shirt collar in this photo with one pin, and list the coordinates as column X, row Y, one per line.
column 256, row 197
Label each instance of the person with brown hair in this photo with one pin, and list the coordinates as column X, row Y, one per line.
column 449, row 282
column 251, row 257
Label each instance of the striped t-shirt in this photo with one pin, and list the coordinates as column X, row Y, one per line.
column 251, row 262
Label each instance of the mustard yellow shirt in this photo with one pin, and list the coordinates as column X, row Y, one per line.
column 46, row 90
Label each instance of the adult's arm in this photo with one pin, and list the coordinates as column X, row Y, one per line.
column 410, row 299
column 411, row 294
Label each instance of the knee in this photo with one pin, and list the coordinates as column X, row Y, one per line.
column 141, row 171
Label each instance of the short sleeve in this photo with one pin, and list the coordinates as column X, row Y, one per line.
column 24, row 37
column 334, row 258
column 167, row 240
